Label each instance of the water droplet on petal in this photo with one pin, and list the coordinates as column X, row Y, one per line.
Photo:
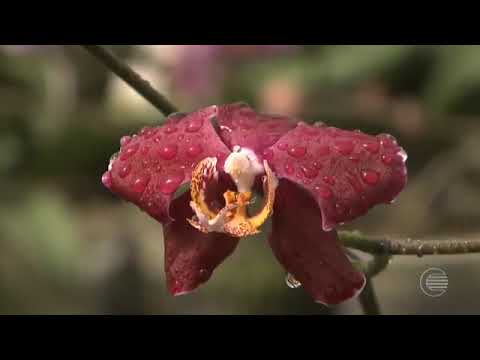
column 194, row 150
column 180, row 137
column 387, row 140
column 289, row 168
column 371, row 146
column 344, row 147
column 309, row 171
column 150, row 132
column 171, row 183
column 291, row 282
column 140, row 183
column 169, row 129
column 354, row 158
column 124, row 171
column 125, row 140
column 370, row 177
column 323, row 192
column 144, row 150
column 268, row 154
column 168, row 152
column 107, row 179
column 282, row 146
column 129, row 152
column 157, row 139
column 194, row 125
column 329, row 180
column 297, row 151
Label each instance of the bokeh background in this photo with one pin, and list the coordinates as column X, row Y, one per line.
column 68, row 246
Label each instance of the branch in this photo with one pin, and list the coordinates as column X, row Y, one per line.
column 391, row 246
column 351, row 239
column 132, row 78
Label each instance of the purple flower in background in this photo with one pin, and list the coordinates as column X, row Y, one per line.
column 22, row 50
column 200, row 68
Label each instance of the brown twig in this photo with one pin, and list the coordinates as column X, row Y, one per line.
column 132, row 78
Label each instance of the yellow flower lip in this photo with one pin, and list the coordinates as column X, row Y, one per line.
column 233, row 218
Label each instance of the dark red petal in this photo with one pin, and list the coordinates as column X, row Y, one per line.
column 154, row 163
column 241, row 125
column 347, row 172
column 190, row 255
column 314, row 257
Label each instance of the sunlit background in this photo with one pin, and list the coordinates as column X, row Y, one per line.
column 68, row 246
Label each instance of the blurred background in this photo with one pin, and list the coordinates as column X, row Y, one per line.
column 68, row 246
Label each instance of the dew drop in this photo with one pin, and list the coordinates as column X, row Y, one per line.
column 170, row 129
column 323, row 192
column 354, row 158
column 194, row 125
column 268, row 154
column 129, row 152
column 113, row 158
column 291, row 282
column 194, row 150
column 297, row 151
column 387, row 140
column 371, row 147
column 157, row 139
column 180, row 137
column 309, row 171
column 150, row 133
column 144, row 150
column 125, row 140
column 387, row 159
column 140, row 183
column 124, row 171
column 171, row 183
column 203, row 274
column 329, row 180
column 419, row 251
column 282, row 146
column 107, row 179
column 340, row 209
column 344, row 147
column 317, row 165
column 289, row 168
column 168, row 152
column 370, row 177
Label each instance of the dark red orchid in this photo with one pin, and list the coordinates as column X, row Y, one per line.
column 313, row 178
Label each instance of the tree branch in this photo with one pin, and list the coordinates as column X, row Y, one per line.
column 132, row 78
column 392, row 246
column 352, row 239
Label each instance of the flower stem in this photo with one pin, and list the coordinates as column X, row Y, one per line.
column 368, row 300
column 132, row 78
column 396, row 246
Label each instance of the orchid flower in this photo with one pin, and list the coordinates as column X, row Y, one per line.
column 312, row 177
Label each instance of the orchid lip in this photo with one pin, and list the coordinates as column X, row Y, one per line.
column 233, row 219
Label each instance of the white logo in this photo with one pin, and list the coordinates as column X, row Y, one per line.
column 434, row 282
